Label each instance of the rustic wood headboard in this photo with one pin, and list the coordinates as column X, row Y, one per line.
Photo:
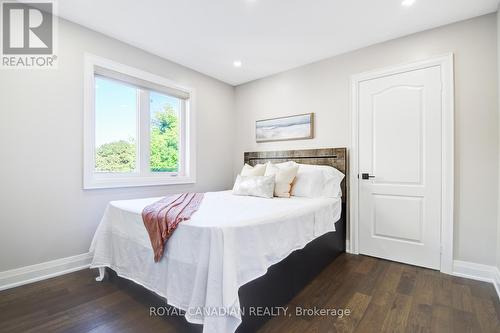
column 335, row 157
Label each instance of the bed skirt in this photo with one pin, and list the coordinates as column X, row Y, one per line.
column 276, row 288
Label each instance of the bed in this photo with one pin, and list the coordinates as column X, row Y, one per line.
column 234, row 253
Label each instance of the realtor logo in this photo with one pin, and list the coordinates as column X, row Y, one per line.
column 28, row 35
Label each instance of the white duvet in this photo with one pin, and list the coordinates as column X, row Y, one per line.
column 228, row 242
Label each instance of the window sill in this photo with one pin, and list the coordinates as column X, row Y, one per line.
column 136, row 182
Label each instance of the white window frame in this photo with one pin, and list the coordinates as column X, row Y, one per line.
column 143, row 177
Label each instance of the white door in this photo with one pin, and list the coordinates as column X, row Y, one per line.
column 400, row 152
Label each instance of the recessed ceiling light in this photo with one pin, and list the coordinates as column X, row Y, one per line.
column 407, row 3
column 237, row 63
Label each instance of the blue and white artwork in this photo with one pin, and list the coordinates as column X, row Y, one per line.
column 285, row 128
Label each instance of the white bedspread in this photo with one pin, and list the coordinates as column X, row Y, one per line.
column 228, row 242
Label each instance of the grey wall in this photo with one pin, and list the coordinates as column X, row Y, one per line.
column 323, row 88
column 498, row 92
column 44, row 213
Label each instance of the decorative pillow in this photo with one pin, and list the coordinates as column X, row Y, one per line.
column 257, row 186
column 258, row 170
column 286, row 164
column 317, row 181
column 284, row 175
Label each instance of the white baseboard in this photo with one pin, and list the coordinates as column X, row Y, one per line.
column 28, row 274
column 496, row 282
column 348, row 246
column 478, row 272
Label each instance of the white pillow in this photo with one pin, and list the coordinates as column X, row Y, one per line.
column 317, row 181
column 258, row 170
column 284, row 176
column 257, row 186
column 285, row 164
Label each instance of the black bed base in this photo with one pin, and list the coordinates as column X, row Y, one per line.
column 276, row 288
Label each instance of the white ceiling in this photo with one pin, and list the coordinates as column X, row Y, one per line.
column 268, row 36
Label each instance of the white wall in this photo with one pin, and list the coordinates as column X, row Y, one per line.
column 498, row 92
column 44, row 213
column 323, row 88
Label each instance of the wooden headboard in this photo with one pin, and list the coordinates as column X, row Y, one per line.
column 335, row 157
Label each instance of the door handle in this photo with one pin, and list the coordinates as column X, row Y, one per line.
column 366, row 176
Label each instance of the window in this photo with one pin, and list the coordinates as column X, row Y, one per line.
column 115, row 126
column 138, row 128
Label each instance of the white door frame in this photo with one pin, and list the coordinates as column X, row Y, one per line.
column 446, row 64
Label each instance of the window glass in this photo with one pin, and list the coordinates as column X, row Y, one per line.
column 115, row 126
column 164, row 132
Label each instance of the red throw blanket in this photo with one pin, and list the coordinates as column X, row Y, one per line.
column 162, row 217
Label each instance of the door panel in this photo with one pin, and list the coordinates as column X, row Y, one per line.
column 403, row 106
column 400, row 145
column 386, row 221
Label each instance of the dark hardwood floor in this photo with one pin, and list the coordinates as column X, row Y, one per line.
column 382, row 296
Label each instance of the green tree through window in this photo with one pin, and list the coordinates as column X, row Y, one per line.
column 117, row 156
column 120, row 156
column 164, row 141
